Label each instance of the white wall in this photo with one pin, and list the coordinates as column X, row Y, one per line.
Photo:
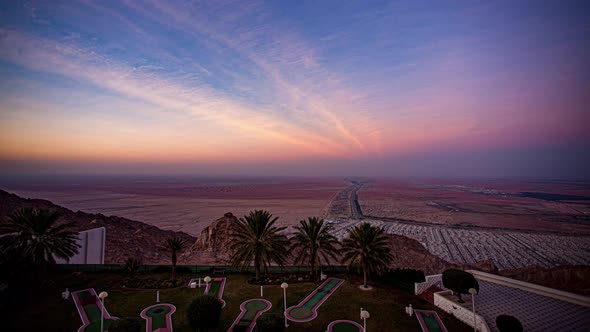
column 463, row 314
column 92, row 247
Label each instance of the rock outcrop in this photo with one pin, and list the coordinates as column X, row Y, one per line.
column 124, row 238
column 215, row 240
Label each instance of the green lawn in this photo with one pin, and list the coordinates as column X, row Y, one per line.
column 385, row 304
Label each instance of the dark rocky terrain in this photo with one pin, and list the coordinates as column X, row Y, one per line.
column 124, row 238
column 128, row 238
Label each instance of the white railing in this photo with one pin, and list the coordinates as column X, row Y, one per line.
column 420, row 287
column 463, row 314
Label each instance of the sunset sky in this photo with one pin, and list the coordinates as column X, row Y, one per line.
column 295, row 87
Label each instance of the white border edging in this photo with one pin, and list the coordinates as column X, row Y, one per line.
column 461, row 313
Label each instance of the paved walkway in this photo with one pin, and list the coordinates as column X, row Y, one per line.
column 536, row 312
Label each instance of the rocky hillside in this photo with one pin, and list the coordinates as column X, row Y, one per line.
column 213, row 245
column 409, row 253
column 124, row 237
column 575, row 279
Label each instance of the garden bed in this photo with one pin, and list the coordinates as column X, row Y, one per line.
column 151, row 283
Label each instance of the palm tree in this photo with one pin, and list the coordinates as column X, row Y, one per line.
column 36, row 237
column 315, row 241
column 366, row 248
column 257, row 240
column 173, row 246
column 132, row 264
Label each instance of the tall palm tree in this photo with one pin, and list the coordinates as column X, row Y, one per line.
column 366, row 248
column 257, row 240
column 314, row 241
column 36, row 237
column 173, row 246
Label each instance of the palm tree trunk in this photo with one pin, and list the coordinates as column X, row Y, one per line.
column 311, row 263
column 173, row 265
column 365, row 277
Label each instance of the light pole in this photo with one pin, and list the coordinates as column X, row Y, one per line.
column 207, row 281
column 102, row 296
column 284, row 286
column 364, row 316
column 473, row 291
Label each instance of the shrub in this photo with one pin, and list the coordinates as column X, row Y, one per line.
column 507, row 323
column 183, row 269
column 128, row 324
column 203, row 313
column 132, row 265
column 406, row 275
column 459, row 282
column 162, row 269
column 270, row 323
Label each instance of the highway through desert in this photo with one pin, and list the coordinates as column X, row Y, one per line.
column 507, row 248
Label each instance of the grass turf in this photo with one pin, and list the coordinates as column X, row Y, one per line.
column 385, row 304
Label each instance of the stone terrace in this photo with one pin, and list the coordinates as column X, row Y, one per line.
column 536, row 312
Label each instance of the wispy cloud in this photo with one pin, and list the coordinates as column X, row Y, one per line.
column 255, row 80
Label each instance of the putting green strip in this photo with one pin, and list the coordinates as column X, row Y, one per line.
column 344, row 326
column 249, row 312
column 89, row 306
column 158, row 317
column 214, row 288
column 430, row 321
column 306, row 310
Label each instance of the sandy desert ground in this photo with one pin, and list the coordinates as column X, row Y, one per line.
column 495, row 203
column 190, row 205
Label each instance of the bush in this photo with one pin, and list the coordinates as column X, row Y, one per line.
column 270, row 323
column 507, row 323
column 459, row 282
column 132, row 265
column 183, row 269
column 406, row 275
column 128, row 324
column 203, row 313
column 162, row 269
column 149, row 283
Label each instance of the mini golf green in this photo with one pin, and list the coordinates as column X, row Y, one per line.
column 89, row 308
column 214, row 288
column 430, row 321
column 306, row 310
column 158, row 317
column 345, row 326
column 250, row 311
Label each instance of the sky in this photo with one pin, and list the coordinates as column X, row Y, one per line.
column 307, row 88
